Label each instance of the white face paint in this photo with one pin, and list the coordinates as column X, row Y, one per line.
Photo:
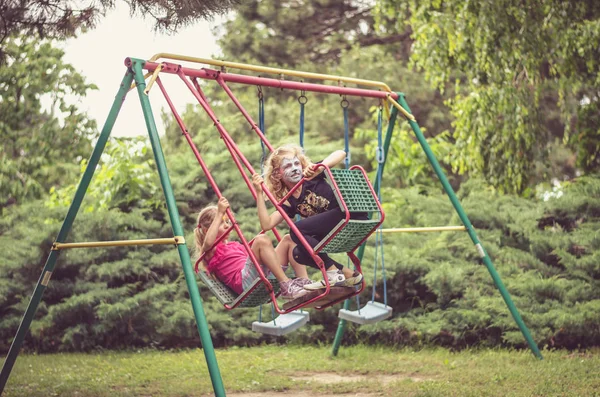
column 291, row 170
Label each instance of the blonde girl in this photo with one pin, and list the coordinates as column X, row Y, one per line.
column 314, row 201
column 229, row 261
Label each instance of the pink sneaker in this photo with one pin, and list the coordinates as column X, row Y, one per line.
column 301, row 281
column 290, row 290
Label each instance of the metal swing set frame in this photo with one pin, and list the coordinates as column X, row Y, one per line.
column 135, row 74
column 256, row 294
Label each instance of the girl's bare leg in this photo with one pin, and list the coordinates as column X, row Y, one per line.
column 284, row 253
column 263, row 249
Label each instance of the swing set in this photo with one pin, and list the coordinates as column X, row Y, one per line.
column 351, row 187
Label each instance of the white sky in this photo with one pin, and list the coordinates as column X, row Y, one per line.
column 99, row 55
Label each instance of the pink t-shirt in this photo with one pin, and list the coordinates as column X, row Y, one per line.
column 227, row 263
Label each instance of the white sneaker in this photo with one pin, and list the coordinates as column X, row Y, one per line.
column 336, row 279
column 353, row 280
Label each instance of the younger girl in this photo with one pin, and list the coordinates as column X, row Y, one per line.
column 314, row 201
column 229, row 260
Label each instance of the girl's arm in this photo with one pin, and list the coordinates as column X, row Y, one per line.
column 266, row 222
column 213, row 229
column 330, row 161
column 334, row 158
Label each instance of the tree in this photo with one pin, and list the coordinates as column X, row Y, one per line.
column 64, row 18
column 125, row 179
column 43, row 134
column 527, row 75
column 341, row 38
column 288, row 33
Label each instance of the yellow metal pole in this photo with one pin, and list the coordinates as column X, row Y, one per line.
column 401, row 109
column 153, row 78
column 425, row 229
column 132, row 86
column 118, row 243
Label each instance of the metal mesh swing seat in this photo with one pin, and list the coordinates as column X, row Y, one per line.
column 354, row 193
column 255, row 295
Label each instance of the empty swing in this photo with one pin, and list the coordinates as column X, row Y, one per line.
column 373, row 311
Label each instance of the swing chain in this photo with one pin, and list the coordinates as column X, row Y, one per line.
column 344, row 103
column 302, row 99
column 379, row 155
column 379, row 152
column 260, row 92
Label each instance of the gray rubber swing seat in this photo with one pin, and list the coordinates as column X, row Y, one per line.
column 283, row 324
column 371, row 313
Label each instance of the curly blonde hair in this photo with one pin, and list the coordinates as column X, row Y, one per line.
column 272, row 175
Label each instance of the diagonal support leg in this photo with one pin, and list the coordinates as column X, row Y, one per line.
column 64, row 231
column 465, row 220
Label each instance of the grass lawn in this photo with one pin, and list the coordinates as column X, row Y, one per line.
column 306, row 371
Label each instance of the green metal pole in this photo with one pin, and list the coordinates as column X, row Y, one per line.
column 64, row 231
column 465, row 220
column 184, row 255
column 361, row 250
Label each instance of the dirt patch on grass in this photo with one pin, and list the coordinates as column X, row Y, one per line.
column 332, row 378
column 300, row 394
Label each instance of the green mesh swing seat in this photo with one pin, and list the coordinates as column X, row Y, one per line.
column 355, row 190
column 255, row 295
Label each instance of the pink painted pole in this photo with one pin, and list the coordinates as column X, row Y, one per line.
column 186, row 134
column 209, row 176
column 228, row 142
column 245, row 113
column 210, row 74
